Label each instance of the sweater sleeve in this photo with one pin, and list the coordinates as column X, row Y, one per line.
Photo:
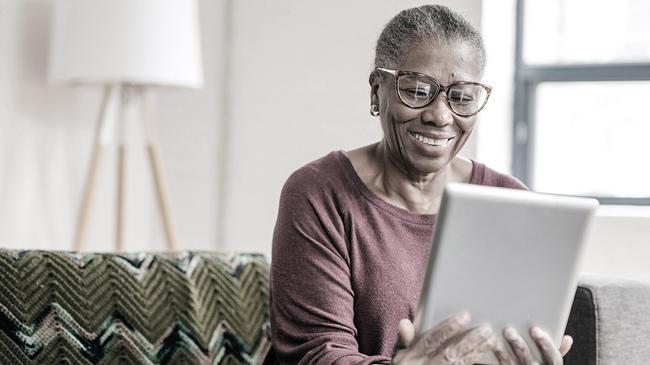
column 511, row 182
column 488, row 176
column 311, row 292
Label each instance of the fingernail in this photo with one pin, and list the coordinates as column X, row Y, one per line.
column 536, row 332
column 510, row 333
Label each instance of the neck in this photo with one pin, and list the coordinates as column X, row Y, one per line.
column 412, row 190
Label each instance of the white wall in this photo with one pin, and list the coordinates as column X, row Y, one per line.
column 495, row 128
column 619, row 243
column 299, row 90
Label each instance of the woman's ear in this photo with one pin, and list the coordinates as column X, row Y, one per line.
column 373, row 78
column 374, row 98
column 374, row 81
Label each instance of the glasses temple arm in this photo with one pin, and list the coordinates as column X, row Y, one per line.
column 392, row 72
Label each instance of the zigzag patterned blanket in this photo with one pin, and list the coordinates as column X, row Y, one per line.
column 188, row 308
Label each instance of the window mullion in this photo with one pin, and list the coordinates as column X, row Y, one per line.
column 588, row 72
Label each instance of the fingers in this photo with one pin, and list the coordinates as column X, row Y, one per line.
column 474, row 341
column 472, row 357
column 430, row 342
column 565, row 346
column 443, row 332
column 519, row 347
column 546, row 346
column 502, row 354
column 466, row 348
column 405, row 334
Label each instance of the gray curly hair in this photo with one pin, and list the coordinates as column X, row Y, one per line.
column 415, row 25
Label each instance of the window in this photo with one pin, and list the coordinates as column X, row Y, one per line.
column 582, row 98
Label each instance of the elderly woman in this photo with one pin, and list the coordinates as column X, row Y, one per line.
column 354, row 228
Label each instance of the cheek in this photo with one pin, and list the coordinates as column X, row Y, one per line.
column 394, row 116
column 466, row 125
column 393, row 110
column 402, row 114
column 399, row 114
column 395, row 122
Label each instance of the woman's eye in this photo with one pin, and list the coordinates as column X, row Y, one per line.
column 460, row 98
column 416, row 92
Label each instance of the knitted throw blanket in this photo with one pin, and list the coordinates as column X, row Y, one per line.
column 186, row 308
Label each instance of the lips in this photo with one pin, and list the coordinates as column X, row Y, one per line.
column 432, row 135
column 432, row 140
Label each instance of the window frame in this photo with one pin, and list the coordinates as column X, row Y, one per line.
column 528, row 77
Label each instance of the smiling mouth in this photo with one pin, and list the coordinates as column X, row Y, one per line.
column 431, row 141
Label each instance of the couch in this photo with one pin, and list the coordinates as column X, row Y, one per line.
column 185, row 308
column 610, row 322
column 210, row 308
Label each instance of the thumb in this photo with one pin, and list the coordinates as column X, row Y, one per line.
column 565, row 346
column 405, row 334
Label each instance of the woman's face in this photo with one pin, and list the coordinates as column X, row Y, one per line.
column 446, row 62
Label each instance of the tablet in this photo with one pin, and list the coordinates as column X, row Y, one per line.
column 509, row 257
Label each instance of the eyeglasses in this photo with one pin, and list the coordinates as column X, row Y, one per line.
column 416, row 90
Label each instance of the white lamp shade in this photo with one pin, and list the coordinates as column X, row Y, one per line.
column 147, row 42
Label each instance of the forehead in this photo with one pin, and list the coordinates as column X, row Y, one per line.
column 444, row 61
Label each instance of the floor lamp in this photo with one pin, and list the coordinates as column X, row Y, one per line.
column 129, row 47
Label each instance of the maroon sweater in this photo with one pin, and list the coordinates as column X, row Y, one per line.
column 346, row 265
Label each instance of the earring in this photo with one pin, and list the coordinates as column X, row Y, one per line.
column 374, row 110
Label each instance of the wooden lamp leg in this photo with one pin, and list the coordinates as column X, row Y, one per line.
column 119, row 207
column 125, row 100
column 91, row 179
column 156, row 170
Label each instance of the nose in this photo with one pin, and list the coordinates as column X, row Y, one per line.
column 438, row 112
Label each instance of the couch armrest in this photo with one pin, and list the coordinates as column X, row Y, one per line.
column 610, row 322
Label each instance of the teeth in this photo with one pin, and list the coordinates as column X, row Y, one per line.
column 430, row 141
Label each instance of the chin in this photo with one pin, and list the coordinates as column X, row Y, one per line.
column 430, row 165
column 426, row 162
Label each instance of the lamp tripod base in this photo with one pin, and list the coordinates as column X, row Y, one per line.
column 100, row 144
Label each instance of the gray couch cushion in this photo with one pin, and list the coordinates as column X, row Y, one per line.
column 610, row 322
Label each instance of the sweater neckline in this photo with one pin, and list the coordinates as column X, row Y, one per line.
column 417, row 218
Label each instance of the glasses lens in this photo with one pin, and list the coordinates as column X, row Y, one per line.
column 416, row 91
column 467, row 99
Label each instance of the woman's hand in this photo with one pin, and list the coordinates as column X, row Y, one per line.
column 452, row 342
column 551, row 355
